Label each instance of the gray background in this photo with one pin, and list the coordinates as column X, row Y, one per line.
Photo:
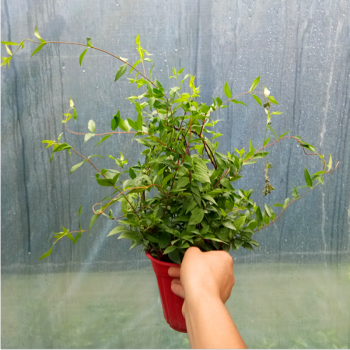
column 301, row 50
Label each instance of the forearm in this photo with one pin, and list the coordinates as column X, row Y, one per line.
column 209, row 325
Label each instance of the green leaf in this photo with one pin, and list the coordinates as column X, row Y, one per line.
column 150, row 72
column 268, row 119
column 269, row 210
column 91, row 126
column 191, row 206
column 139, row 121
column 6, row 61
column 88, row 136
column 76, row 166
column 88, row 42
column 197, row 216
column 107, row 182
column 132, row 173
column 167, row 178
column 277, row 113
column 75, row 114
column 62, row 147
column 138, row 40
column 104, row 138
column 258, row 216
column 149, row 88
column 93, row 220
column 227, row 90
column 330, row 163
column 81, row 57
column 164, row 240
column 116, row 230
column 254, row 84
column 38, row 49
column 239, row 222
column 257, row 99
column 169, row 249
column 46, row 254
column 115, row 121
column 226, row 183
column 295, row 193
column 273, row 100
column 238, row 102
column 36, row 33
column 308, row 179
column 175, row 256
column 209, row 198
column 201, row 175
column 247, row 246
column 8, row 50
column 284, row 134
column 285, row 203
column 229, row 224
column 273, row 131
column 130, row 235
column 120, row 72
column 132, row 124
column 134, row 66
column 123, row 125
column 138, row 107
column 10, row 43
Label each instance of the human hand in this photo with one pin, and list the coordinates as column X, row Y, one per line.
column 203, row 274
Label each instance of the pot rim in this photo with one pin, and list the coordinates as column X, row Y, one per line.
column 162, row 263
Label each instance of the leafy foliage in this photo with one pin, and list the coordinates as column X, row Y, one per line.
column 184, row 192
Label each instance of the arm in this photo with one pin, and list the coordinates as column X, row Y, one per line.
column 205, row 281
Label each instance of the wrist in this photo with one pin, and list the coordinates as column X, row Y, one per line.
column 199, row 298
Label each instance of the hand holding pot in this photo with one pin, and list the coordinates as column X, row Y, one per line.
column 204, row 273
column 205, row 281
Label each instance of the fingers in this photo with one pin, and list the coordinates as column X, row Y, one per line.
column 177, row 288
column 174, row 272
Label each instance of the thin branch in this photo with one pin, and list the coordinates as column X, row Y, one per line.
column 171, row 187
column 273, row 221
column 88, row 160
column 119, row 132
column 108, row 53
column 223, row 175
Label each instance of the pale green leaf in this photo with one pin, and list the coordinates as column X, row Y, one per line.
column 104, row 138
column 116, row 230
column 38, row 49
column 88, row 136
column 257, row 99
column 227, row 90
column 254, row 84
column 46, row 254
column 81, row 57
column 91, row 126
column 239, row 222
column 76, row 166
column 169, row 249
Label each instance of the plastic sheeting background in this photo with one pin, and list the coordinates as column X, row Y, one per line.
column 294, row 292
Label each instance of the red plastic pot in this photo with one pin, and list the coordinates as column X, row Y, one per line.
column 172, row 304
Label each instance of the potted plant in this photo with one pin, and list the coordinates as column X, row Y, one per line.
column 184, row 192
